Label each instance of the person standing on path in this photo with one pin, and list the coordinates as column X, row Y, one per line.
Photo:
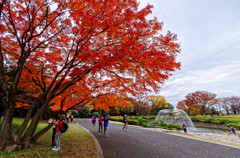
column 106, row 119
column 71, row 118
column 233, row 130
column 125, row 122
column 67, row 118
column 58, row 134
column 54, row 130
column 184, row 127
column 100, row 124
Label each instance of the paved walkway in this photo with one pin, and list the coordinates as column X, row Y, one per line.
column 140, row 142
column 223, row 138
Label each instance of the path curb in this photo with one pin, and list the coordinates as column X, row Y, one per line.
column 99, row 148
column 179, row 134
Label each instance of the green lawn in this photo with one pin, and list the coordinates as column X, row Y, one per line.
column 76, row 142
column 228, row 120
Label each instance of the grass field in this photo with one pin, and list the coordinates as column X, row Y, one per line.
column 76, row 142
column 228, row 120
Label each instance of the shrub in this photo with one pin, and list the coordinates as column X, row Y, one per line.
column 95, row 114
column 143, row 122
column 116, row 118
column 75, row 113
column 174, row 126
column 228, row 121
column 120, row 119
column 134, row 117
column 154, row 124
column 133, row 122
column 164, row 124
column 151, row 117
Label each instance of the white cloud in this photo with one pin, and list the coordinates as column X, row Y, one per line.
column 209, row 33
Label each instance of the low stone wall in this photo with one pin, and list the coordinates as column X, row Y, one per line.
column 210, row 125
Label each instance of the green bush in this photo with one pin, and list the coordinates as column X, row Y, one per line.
column 151, row 117
column 75, row 113
column 116, row 118
column 228, row 121
column 174, row 126
column 164, row 124
column 95, row 114
column 154, row 124
column 134, row 117
column 133, row 122
column 120, row 119
column 143, row 122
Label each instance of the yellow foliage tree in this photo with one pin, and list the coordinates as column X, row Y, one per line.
column 156, row 102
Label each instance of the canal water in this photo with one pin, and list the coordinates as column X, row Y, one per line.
column 207, row 130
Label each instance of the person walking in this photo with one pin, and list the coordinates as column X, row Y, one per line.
column 58, row 134
column 71, row 118
column 100, row 123
column 106, row 119
column 184, row 127
column 67, row 118
column 125, row 122
column 94, row 120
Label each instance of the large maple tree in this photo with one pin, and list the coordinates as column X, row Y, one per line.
column 75, row 52
column 198, row 102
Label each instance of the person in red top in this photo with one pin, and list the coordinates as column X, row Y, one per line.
column 100, row 123
column 58, row 134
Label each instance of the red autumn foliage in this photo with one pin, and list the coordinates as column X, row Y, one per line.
column 99, row 48
column 198, row 102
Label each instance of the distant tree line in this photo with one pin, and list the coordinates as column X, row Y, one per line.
column 206, row 103
column 150, row 105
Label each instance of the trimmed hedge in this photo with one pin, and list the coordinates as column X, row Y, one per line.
column 116, row 118
column 133, row 122
column 230, row 122
column 164, row 125
column 142, row 121
column 120, row 119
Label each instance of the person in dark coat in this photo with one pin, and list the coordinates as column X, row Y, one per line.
column 184, row 127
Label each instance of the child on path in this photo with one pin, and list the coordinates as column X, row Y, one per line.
column 106, row 119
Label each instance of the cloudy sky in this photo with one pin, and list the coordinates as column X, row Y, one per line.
column 209, row 33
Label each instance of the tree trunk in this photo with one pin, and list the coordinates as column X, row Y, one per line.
column 1, row 109
column 228, row 112
column 7, row 143
column 6, row 140
column 27, row 139
column 40, row 133
column 28, row 136
column 19, row 132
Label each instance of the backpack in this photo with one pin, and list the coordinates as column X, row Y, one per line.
column 64, row 127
